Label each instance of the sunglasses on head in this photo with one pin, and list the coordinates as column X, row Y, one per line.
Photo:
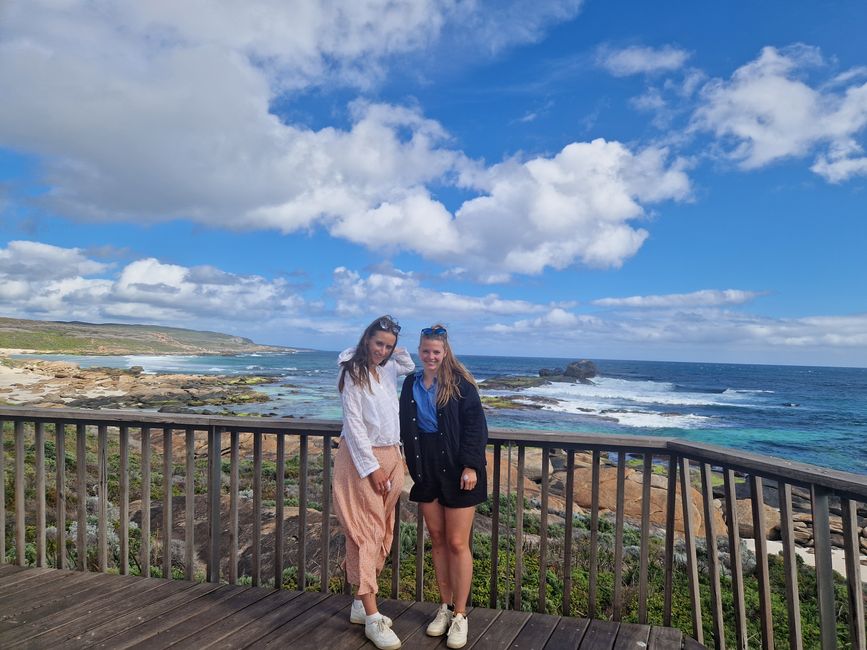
column 387, row 325
column 434, row 331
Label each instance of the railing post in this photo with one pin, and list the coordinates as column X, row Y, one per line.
column 824, row 572
column 302, row 513
column 40, row 494
column 145, row 558
column 81, row 490
column 124, row 499
column 233, row 507
column 168, row 454
column 734, row 537
column 60, row 490
column 519, row 528
column 543, row 533
column 495, row 529
column 594, row 536
column 567, row 543
column 787, row 533
column 691, row 560
column 618, row 536
column 102, row 497
column 765, row 610
column 279, row 514
column 2, row 494
column 257, row 508
column 326, row 513
column 712, row 557
column 214, row 485
column 670, row 507
column 189, row 503
column 645, row 535
column 855, row 591
column 20, row 521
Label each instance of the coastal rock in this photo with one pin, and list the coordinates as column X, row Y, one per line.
column 551, row 372
column 582, row 370
column 744, row 510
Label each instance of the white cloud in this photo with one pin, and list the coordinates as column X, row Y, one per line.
column 144, row 290
column 400, row 293
column 165, row 115
column 703, row 298
column 637, row 60
column 767, row 112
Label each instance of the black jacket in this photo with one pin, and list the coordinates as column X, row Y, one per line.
column 462, row 422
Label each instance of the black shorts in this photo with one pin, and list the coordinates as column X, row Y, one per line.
column 440, row 482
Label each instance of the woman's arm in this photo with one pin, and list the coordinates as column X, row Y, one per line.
column 403, row 362
column 355, row 432
column 474, row 429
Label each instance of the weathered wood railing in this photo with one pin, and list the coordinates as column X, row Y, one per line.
column 35, row 430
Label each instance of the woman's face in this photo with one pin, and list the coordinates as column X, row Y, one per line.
column 431, row 352
column 379, row 346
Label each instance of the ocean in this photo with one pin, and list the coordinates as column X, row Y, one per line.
column 815, row 415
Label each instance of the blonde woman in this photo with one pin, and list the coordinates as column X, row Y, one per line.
column 368, row 468
column 444, row 432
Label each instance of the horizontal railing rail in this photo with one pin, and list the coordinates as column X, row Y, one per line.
column 665, row 525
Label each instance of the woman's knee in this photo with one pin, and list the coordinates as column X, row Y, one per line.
column 458, row 544
column 437, row 537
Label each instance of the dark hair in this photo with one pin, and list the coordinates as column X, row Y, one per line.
column 451, row 370
column 358, row 366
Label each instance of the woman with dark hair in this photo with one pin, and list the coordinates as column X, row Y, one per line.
column 368, row 468
column 444, row 433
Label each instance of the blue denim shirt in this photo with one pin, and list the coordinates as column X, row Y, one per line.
column 426, row 403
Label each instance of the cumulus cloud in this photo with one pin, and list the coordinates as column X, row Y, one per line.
column 392, row 290
column 166, row 114
column 768, row 111
column 43, row 281
column 703, row 298
column 641, row 60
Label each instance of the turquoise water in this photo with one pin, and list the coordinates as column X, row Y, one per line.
column 809, row 414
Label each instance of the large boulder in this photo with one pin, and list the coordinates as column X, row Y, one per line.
column 582, row 370
column 551, row 372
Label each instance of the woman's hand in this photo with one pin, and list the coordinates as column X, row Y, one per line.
column 379, row 481
column 468, row 478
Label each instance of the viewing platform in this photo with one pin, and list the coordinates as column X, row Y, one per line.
column 621, row 573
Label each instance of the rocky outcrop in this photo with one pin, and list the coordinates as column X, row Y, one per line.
column 582, row 370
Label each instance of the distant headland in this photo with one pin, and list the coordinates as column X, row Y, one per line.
column 75, row 337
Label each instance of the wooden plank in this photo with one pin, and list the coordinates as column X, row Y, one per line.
column 691, row 644
column 256, row 631
column 618, row 536
column 736, row 564
column 536, row 632
column 17, row 592
column 600, row 635
column 40, row 494
column 237, row 621
column 691, row 559
column 124, row 499
column 567, row 542
column 102, row 497
column 145, row 458
column 86, row 619
column 568, row 633
column 291, row 633
column 519, row 529
column 410, row 625
column 494, row 588
column 664, row 638
column 855, row 589
column 11, row 581
column 594, row 536
column 179, row 626
column 713, row 563
column 88, row 587
column 761, row 548
column 790, row 566
column 644, row 551
column 543, row 534
column 325, row 531
column 279, row 513
column 257, row 508
column 503, row 630
column 824, row 572
column 60, row 490
column 81, row 491
column 632, row 636
column 190, row 503
column 233, row 507
column 168, row 485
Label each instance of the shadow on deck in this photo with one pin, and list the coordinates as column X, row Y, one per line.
column 50, row 608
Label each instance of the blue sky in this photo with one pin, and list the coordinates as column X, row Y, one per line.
column 684, row 181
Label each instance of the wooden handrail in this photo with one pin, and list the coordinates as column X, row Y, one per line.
column 687, row 464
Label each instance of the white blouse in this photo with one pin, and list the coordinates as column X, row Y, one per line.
column 370, row 418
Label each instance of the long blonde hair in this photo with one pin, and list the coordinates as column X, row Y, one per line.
column 450, row 370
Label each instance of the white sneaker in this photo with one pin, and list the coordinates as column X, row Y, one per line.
column 357, row 615
column 381, row 635
column 440, row 624
column 458, row 632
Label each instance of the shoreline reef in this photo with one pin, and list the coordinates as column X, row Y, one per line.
column 58, row 384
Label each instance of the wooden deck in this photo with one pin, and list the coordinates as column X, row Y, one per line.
column 50, row 608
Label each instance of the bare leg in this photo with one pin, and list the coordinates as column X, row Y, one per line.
column 434, row 519
column 459, row 521
column 369, row 602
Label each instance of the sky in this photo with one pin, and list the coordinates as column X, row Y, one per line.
column 681, row 181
